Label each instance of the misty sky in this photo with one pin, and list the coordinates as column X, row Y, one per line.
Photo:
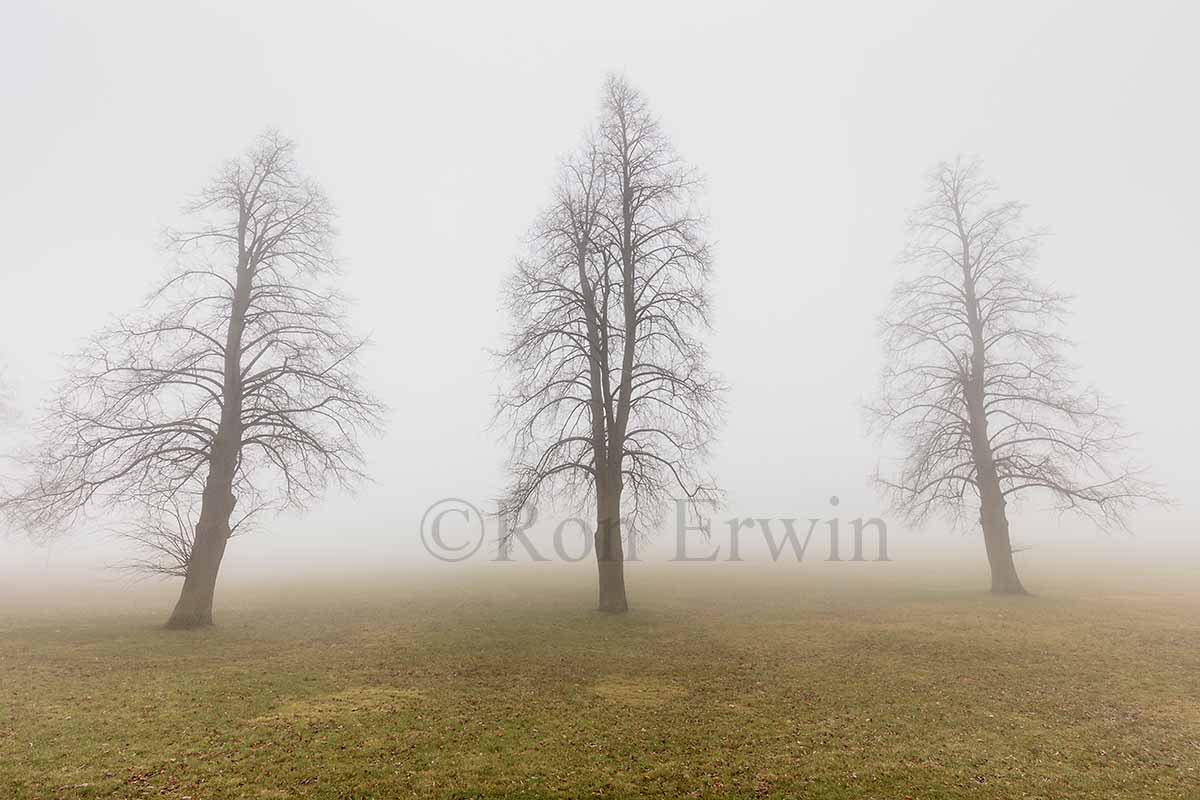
column 437, row 130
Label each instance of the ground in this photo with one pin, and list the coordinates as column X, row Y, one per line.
column 873, row 682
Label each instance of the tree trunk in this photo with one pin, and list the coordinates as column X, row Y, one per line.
column 194, row 608
column 992, row 516
column 610, row 553
column 994, row 520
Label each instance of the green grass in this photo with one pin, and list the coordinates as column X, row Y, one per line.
column 723, row 682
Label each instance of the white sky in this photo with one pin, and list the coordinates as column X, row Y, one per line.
column 436, row 131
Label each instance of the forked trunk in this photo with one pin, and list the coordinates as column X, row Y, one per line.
column 610, row 554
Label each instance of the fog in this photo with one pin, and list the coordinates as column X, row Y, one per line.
column 437, row 134
column 625, row 399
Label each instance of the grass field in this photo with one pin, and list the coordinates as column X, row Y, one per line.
column 870, row 683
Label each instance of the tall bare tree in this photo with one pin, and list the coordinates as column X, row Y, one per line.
column 977, row 386
column 233, row 385
column 610, row 401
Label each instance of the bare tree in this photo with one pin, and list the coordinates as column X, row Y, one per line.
column 233, row 385
column 977, row 386
column 610, row 401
